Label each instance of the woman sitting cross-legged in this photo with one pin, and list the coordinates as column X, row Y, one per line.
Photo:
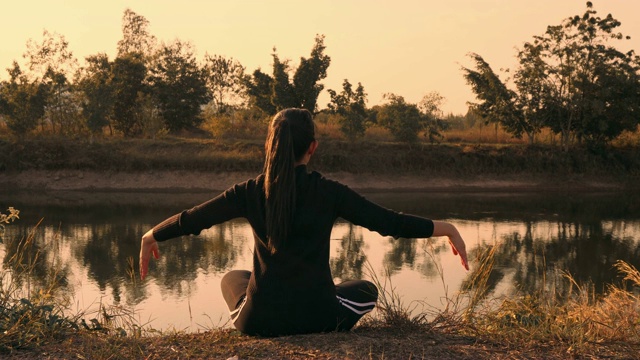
column 290, row 289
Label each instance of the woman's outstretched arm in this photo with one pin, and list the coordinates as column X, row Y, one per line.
column 442, row 228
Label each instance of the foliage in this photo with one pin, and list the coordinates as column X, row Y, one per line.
column 11, row 216
column 308, row 74
column 22, row 101
column 283, row 93
column 593, row 89
column 225, row 81
column 135, row 35
column 571, row 84
column 50, row 55
column 531, row 97
column 570, row 79
column 351, row 106
column 178, row 85
column 430, row 108
column 404, row 120
column 62, row 104
column 129, row 74
column 236, row 123
column 259, row 91
column 497, row 101
column 578, row 318
column 95, row 82
column 51, row 62
column 272, row 93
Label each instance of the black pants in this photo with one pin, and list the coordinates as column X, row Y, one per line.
column 356, row 297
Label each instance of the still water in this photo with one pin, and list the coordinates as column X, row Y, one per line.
column 93, row 241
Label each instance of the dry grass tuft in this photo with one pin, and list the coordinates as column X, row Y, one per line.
column 581, row 323
column 34, row 313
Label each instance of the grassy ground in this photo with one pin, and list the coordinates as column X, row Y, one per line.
column 333, row 155
column 363, row 343
column 517, row 328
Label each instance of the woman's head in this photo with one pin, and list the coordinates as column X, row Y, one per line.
column 294, row 123
column 290, row 136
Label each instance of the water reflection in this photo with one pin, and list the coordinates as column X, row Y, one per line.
column 351, row 258
column 585, row 251
column 93, row 241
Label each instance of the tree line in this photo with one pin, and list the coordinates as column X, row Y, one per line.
column 570, row 80
column 151, row 87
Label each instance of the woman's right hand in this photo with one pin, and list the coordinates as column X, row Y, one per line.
column 148, row 247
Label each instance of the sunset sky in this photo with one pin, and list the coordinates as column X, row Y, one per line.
column 407, row 47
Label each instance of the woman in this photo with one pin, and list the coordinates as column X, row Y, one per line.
column 292, row 212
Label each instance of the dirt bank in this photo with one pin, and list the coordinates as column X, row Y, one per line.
column 72, row 180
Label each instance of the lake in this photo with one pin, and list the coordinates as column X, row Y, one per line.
column 92, row 239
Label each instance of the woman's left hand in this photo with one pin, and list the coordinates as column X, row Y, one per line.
column 148, row 246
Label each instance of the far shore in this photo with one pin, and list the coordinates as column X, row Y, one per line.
column 199, row 181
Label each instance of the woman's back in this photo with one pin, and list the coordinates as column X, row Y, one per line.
column 290, row 288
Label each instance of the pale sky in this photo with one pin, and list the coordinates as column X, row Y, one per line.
column 406, row 47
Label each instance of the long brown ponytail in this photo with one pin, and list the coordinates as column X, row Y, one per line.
column 290, row 133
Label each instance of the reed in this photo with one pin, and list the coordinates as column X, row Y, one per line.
column 34, row 313
column 31, row 313
column 578, row 321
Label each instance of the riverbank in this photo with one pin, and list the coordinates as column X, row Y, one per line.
column 212, row 165
column 201, row 181
column 362, row 343
column 513, row 331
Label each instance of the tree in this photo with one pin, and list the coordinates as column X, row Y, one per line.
column 351, row 106
column 96, row 83
column 50, row 55
column 404, row 120
column 309, row 73
column 283, row 93
column 22, row 101
column 129, row 73
column 179, row 86
column 135, row 35
column 51, row 62
column 430, row 106
column 615, row 106
column 63, row 104
column 531, row 80
column 570, row 79
column 497, row 102
column 606, row 79
column 225, row 80
column 259, row 89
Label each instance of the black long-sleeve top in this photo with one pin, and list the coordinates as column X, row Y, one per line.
column 295, row 282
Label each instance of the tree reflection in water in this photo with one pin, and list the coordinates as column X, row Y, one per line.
column 349, row 262
column 537, row 261
column 94, row 240
column 215, row 251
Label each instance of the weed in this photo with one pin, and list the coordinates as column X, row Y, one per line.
column 36, row 312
